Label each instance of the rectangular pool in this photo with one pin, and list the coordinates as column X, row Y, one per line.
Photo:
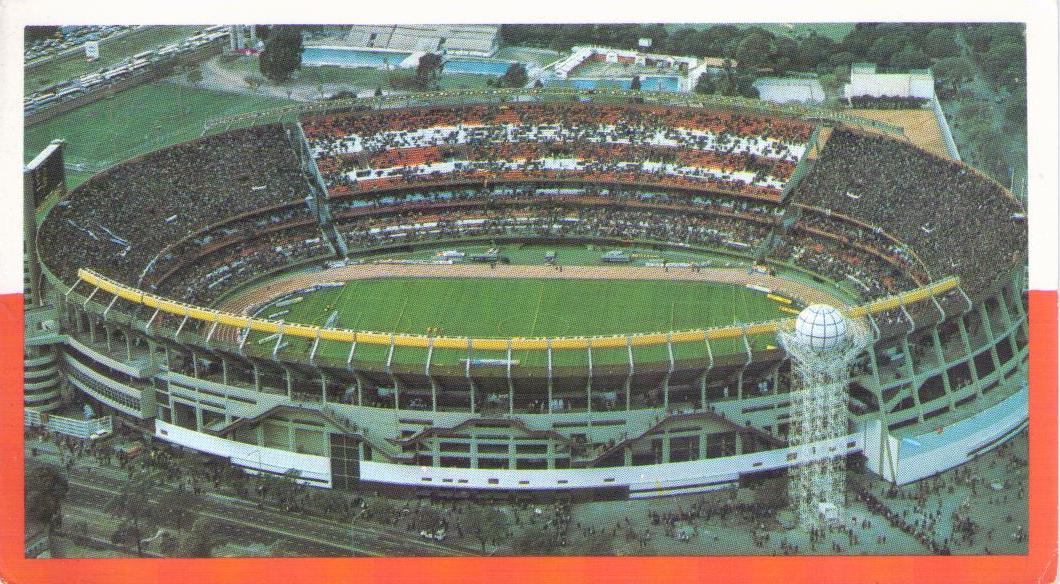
column 647, row 83
column 476, row 66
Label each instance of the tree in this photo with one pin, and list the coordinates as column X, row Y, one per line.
column 635, row 83
column 282, row 54
column 1016, row 107
column 705, row 84
column 842, row 59
column 484, row 523
column 40, row 33
column 195, row 76
column 783, row 57
column 813, row 51
column 515, row 76
column 379, row 92
column 910, row 57
column 200, row 540
column 954, row 71
column 754, row 49
column 885, row 47
column 1005, row 61
column 940, row 43
column 132, row 504
column 427, row 70
column 46, row 487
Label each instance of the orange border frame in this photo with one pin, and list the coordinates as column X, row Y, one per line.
column 1038, row 566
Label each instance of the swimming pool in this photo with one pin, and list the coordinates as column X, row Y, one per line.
column 476, row 66
column 339, row 57
column 647, row 83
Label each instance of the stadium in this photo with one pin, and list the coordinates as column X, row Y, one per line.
column 553, row 291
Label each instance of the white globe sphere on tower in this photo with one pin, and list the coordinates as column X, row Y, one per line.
column 820, row 327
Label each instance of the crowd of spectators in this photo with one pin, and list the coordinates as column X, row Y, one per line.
column 201, row 268
column 956, row 220
column 735, row 172
column 119, row 221
column 622, row 117
column 218, row 210
column 354, row 151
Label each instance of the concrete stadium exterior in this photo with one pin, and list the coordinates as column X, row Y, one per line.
column 653, row 415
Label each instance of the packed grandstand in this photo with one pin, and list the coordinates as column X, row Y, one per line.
column 204, row 221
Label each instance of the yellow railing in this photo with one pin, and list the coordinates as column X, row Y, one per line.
column 489, row 344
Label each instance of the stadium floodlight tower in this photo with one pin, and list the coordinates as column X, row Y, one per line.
column 822, row 347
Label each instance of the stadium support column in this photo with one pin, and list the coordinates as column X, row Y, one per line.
column 703, row 379
column 43, row 179
column 629, row 377
column 317, row 199
column 548, row 356
column 822, row 347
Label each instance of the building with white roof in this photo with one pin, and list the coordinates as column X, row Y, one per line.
column 786, row 90
column 866, row 82
column 477, row 40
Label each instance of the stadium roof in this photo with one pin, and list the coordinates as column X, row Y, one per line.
column 472, row 38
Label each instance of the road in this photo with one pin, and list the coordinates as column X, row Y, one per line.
column 242, row 521
column 77, row 49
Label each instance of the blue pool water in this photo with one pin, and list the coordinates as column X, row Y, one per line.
column 316, row 56
column 340, row 57
column 647, row 83
column 476, row 66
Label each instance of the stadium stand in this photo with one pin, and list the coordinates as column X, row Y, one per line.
column 198, row 221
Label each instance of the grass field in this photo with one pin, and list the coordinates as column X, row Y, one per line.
column 531, row 307
column 524, row 307
column 110, row 52
column 134, row 122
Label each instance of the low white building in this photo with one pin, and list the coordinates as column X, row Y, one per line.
column 687, row 69
column 786, row 90
column 865, row 81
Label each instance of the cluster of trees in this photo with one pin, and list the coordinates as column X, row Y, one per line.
column 428, row 70
column 282, row 53
column 515, row 76
column 988, row 82
column 46, row 487
column 906, row 46
column 40, row 33
column 733, row 81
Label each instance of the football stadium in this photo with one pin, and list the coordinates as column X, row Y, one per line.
column 555, row 291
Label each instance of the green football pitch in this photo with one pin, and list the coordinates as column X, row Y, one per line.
column 522, row 307
column 529, row 307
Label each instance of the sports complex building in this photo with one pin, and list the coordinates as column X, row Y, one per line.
column 358, row 291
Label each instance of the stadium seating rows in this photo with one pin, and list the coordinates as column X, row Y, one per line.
column 211, row 212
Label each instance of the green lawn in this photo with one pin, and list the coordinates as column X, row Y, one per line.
column 523, row 307
column 110, row 52
column 134, row 122
column 529, row 307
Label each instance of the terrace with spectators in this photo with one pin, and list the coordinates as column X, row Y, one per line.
column 747, row 154
column 679, row 175
column 121, row 220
